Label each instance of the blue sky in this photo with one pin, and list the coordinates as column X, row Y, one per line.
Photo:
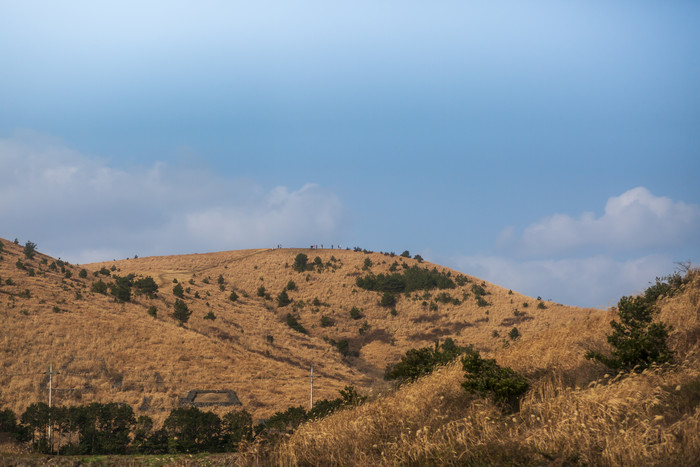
column 549, row 147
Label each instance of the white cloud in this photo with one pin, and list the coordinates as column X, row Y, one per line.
column 597, row 281
column 83, row 209
column 635, row 219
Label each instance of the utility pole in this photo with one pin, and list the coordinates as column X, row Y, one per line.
column 50, row 394
column 312, row 387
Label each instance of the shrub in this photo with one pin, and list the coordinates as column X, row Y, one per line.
column 301, row 263
column 291, row 285
column 210, row 316
column 261, row 291
column 355, row 313
column 283, row 299
column 293, row 323
column 388, row 299
column 481, row 302
column 29, row 249
column 121, row 288
column 20, row 265
column 637, row 342
column 406, row 254
column 487, row 379
column 104, row 271
column 182, row 312
column 367, row 264
column 146, row 285
column 413, row 278
column 99, row 287
column 234, row 296
column 25, row 294
column 83, row 273
column 2, row 245
column 220, row 279
column 541, row 305
column 153, row 311
column 326, row 321
column 418, row 362
column 525, row 304
column 192, row 430
column 514, row 334
column 343, row 347
column 178, row 291
column 418, row 258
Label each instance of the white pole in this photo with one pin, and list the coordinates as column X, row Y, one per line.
column 312, row 387
column 50, row 394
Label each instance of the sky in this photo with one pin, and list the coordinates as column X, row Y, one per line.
column 550, row 147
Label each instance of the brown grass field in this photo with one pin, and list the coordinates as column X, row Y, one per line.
column 107, row 351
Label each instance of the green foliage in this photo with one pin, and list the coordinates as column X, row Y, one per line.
column 105, row 272
column 481, row 302
column 413, row 278
column 146, row 286
column 444, row 297
column 193, row 430
column 637, row 342
column 487, row 379
column 355, row 313
column 514, row 334
column 99, row 287
column 343, row 347
column 288, row 420
column 181, row 311
column 29, row 249
column 541, row 306
column 301, row 263
column 261, row 291
column 211, row 316
column 291, row 285
column 406, row 254
column 388, row 299
column 294, row 323
column 418, row 258
column 20, row 265
column 283, row 299
column 2, row 245
column 236, row 427
column 478, row 290
column 121, row 288
column 220, row 279
column 178, row 291
column 367, row 264
column 234, row 296
column 153, row 311
column 326, row 321
column 83, row 273
column 419, row 362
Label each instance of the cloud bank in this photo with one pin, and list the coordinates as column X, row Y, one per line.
column 589, row 260
column 73, row 205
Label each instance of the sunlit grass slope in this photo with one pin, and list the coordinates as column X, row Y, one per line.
column 104, row 350
column 576, row 412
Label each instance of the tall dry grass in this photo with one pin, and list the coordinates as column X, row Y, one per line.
column 573, row 414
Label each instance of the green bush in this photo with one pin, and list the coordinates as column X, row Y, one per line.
column 99, row 287
column 367, row 264
column 83, row 273
column 220, row 279
column 121, row 288
column 291, row 285
column 283, row 299
column 181, row 311
column 418, row 258
column 388, row 299
column 234, row 296
column 406, row 254
column 514, row 334
column 355, row 313
column 326, row 321
column 487, row 379
column 153, row 311
column 481, row 302
column 261, row 291
column 146, row 286
column 29, row 249
column 301, row 263
column 210, row 316
column 343, row 347
column 294, row 323
column 418, row 362
column 413, row 278
column 637, row 342
column 178, row 291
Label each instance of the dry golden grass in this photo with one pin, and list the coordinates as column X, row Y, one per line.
column 109, row 351
column 573, row 414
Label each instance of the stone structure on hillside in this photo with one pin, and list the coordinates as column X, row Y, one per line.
column 210, row 398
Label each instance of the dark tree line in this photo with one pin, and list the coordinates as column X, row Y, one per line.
column 113, row 428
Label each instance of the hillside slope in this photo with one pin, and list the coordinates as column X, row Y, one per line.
column 577, row 412
column 106, row 350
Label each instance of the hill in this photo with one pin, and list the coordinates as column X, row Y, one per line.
column 576, row 412
column 105, row 348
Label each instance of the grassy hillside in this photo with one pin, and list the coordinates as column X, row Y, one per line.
column 108, row 350
column 576, row 412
